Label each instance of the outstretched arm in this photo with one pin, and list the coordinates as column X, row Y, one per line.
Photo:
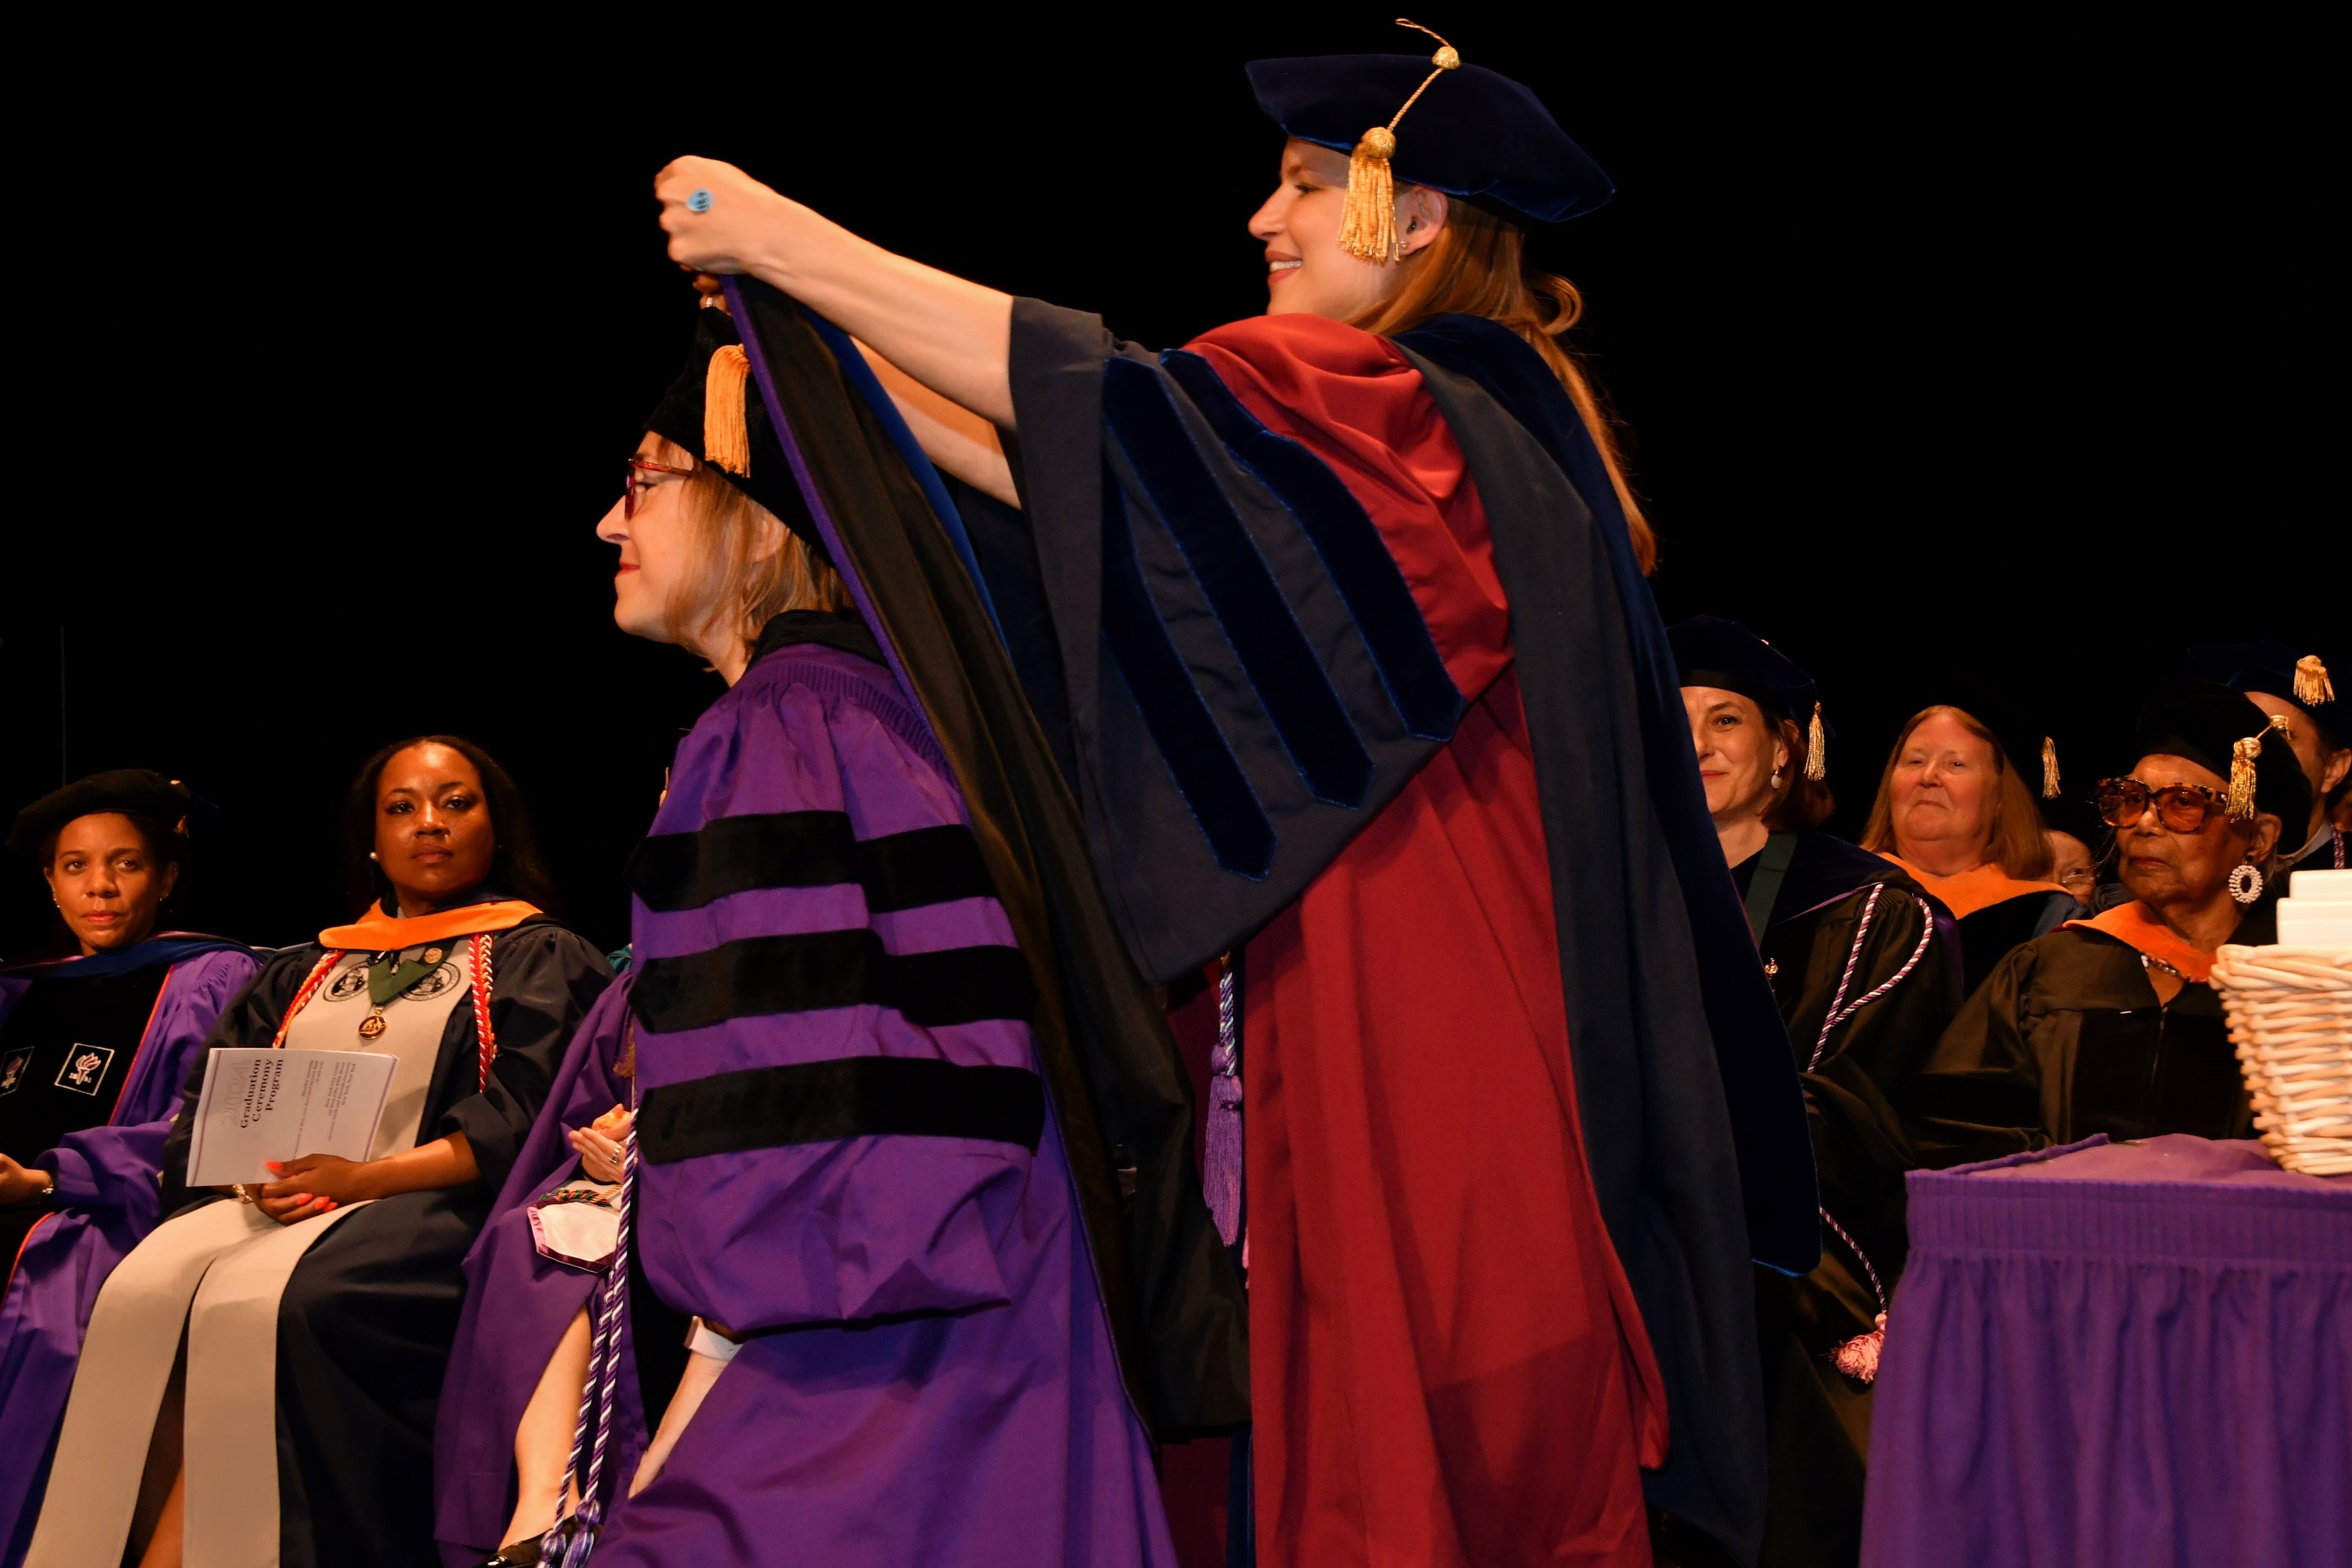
column 950, row 334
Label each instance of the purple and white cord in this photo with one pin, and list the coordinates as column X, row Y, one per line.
column 596, row 1396
column 1221, row 1163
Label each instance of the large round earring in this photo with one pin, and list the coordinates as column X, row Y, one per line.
column 1776, row 778
column 2245, row 882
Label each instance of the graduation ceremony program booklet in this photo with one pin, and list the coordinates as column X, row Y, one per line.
column 260, row 1105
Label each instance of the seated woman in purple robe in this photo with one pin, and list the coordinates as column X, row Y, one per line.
column 92, row 1050
column 842, row 1173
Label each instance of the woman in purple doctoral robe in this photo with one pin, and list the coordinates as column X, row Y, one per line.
column 92, row 1050
column 844, row 1165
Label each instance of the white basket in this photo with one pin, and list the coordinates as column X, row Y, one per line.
column 2290, row 1011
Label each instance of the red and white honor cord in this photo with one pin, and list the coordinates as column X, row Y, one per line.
column 482, row 1031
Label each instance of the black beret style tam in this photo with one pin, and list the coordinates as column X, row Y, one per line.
column 714, row 410
column 125, row 790
column 2275, row 669
column 1474, row 133
column 1712, row 652
column 2204, row 721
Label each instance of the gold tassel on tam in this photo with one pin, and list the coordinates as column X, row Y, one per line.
column 1367, row 220
column 2241, row 771
column 726, row 435
column 2049, row 768
column 1817, row 751
column 2312, row 686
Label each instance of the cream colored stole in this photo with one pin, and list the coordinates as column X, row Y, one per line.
column 220, row 1271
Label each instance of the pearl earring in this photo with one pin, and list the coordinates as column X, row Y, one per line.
column 374, row 856
column 1776, row 778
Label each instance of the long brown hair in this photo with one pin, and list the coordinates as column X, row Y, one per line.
column 727, row 538
column 2019, row 847
column 1478, row 266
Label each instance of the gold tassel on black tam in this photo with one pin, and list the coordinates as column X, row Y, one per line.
column 1368, row 221
column 2312, row 686
column 1817, row 756
column 2049, row 768
column 2242, row 769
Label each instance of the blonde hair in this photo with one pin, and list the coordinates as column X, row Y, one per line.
column 1478, row 266
column 728, row 532
column 2019, row 845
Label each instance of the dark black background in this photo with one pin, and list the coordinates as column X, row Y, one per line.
column 1972, row 355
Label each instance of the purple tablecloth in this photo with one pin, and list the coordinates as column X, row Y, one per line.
column 2132, row 1354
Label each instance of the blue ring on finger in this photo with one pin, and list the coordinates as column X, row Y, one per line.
column 699, row 202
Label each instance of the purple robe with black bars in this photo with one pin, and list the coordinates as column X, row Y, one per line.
column 845, row 1154
column 107, row 1198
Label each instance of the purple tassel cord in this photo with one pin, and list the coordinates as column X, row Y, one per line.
column 1222, row 1165
column 596, row 1396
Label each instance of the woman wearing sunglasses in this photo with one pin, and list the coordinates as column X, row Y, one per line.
column 2110, row 1025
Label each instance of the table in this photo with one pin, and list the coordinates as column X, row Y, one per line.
column 2118, row 1354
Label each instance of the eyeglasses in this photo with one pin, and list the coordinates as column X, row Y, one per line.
column 635, row 484
column 2183, row 808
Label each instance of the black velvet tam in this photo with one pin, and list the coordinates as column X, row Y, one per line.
column 2204, row 722
column 117, row 789
column 2268, row 667
column 679, row 418
column 1711, row 651
column 1474, row 133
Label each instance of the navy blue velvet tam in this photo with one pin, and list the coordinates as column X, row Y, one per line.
column 2275, row 669
column 1475, row 133
column 1711, row 651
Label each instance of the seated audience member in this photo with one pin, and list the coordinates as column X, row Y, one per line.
column 1867, row 975
column 93, row 1048
column 2109, row 1025
column 1954, row 812
column 2319, row 727
column 293, row 1331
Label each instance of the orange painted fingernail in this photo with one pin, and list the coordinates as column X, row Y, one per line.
column 274, row 1164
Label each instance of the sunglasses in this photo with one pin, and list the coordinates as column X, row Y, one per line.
column 636, row 484
column 2183, row 808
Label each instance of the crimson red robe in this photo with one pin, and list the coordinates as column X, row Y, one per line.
column 1447, row 1366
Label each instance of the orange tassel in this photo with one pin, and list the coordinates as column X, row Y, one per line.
column 726, row 433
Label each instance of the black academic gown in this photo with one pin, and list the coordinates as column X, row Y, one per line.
column 1818, row 1419
column 2066, row 1038
column 365, row 1326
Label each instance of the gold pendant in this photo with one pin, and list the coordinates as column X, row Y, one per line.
column 372, row 1024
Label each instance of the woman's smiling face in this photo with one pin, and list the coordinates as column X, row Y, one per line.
column 1299, row 225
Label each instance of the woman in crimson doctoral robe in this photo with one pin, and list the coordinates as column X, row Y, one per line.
column 869, row 1330
column 2111, row 1024
column 1866, row 969
column 93, row 1048
column 259, row 1380
column 1265, row 590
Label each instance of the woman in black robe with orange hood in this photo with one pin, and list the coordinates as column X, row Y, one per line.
column 311, row 1314
column 2111, row 1024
